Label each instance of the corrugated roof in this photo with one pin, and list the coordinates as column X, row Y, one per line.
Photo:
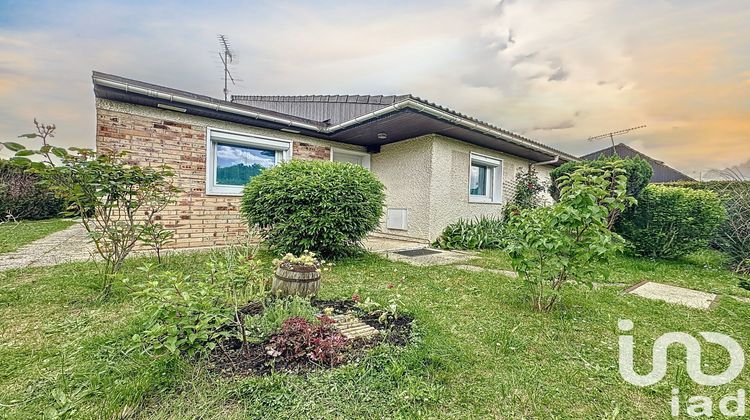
column 336, row 109
column 662, row 172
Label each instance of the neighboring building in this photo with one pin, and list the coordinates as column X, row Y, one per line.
column 437, row 165
column 662, row 172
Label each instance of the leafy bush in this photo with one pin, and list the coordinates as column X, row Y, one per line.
column 733, row 237
column 188, row 315
column 23, row 197
column 327, row 207
column 302, row 339
column 637, row 171
column 191, row 315
column 670, row 222
column 480, row 233
column 117, row 202
column 527, row 190
column 549, row 246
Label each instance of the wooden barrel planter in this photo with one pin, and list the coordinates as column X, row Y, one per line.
column 288, row 282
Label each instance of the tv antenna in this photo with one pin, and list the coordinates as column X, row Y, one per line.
column 226, row 56
column 612, row 135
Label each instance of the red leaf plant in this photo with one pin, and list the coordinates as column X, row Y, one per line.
column 300, row 339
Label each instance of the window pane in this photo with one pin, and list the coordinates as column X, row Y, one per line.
column 478, row 181
column 235, row 165
column 344, row 157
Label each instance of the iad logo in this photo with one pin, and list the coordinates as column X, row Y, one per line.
column 700, row 405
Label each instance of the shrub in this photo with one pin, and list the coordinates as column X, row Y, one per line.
column 670, row 222
column 549, row 246
column 480, row 233
column 117, row 202
column 327, row 207
column 733, row 237
column 23, row 197
column 192, row 314
column 637, row 171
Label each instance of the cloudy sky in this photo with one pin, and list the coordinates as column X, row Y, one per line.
column 556, row 71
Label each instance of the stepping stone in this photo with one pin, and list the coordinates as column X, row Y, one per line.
column 673, row 294
column 353, row 328
column 507, row 273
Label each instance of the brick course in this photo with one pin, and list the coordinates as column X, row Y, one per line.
column 197, row 219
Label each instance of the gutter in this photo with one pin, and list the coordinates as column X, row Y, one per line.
column 127, row 87
column 546, row 162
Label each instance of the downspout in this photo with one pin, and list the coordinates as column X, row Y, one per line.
column 546, row 162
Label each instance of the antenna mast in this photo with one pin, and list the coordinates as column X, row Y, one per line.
column 612, row 135
column 226, row 56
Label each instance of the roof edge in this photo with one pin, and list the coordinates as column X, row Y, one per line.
column 406, row 101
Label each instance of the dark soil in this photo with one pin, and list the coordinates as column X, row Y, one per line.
column 229, row 358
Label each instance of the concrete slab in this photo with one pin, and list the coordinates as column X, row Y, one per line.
column 380, row 244
column 673, row 294
column 474, row 268
column 439, row 258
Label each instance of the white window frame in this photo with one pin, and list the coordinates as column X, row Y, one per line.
column 214, row 136
column 495, row 166
column 364, row 155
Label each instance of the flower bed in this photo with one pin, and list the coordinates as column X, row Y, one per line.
column 302, row 346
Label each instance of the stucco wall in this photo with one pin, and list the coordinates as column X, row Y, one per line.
column 404, row 168
column 430, row 177
column 157, row 137
column 449, row 184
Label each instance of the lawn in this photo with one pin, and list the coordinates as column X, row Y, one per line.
column 14, row 235
column 478, row 351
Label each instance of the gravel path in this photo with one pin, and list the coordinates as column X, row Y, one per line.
column 68, row 245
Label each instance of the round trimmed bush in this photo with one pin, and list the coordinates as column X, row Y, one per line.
column 23, row 197
column 670, row 222
column 326, row 207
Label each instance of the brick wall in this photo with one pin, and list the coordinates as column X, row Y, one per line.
column 197, row 219
column 308, row 151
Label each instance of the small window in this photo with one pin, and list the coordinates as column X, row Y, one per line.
column 485, row 179
column 349, row 156
column 233, row 159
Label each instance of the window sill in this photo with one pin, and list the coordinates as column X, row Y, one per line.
column 483, row 201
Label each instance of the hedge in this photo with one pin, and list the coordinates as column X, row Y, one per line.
column 670, row 222
column 23, row 197
column 733, row 237
column 325, row 207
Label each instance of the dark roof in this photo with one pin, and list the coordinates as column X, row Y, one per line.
column 351, row 119
column 662, row 172
column 333, row 109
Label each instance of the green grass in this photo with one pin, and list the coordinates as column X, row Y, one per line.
column 479, row 350
column 14, row 235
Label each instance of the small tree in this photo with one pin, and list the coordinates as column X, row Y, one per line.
column 637, row 171
column 117, row 202
column 549, row 246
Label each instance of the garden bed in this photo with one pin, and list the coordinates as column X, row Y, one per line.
column 230, row 359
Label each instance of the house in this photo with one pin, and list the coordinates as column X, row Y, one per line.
column 662, row 172
column 437, row 165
